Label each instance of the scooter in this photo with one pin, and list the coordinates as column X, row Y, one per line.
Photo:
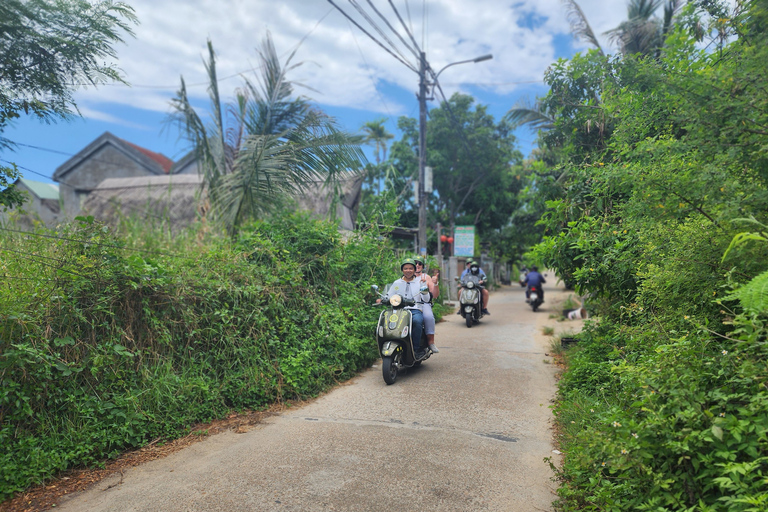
column 393, row 335
column 470, row 303
column 535, row 298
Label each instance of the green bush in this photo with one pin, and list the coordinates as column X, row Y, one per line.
column 105, row 344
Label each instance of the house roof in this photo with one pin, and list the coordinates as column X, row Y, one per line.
column 164, row 162
column 40, row 189
column 184, row 161
column 155, row 163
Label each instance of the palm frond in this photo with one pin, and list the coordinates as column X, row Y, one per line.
column 531, row 115
column 580, row 27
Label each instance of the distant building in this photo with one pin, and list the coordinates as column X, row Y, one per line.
column 104, row 158
column 42, row 205
column 112, row 178
column 173, row 200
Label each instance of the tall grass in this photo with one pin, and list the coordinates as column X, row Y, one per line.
column 108, row 341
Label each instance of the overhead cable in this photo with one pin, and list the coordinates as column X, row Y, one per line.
column 415, row 44
column 407, row 64
column 405, row 43
column 378, row 29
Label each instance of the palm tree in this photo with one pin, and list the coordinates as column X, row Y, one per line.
column 377, row 135
column 643, row 33
column 265, row 145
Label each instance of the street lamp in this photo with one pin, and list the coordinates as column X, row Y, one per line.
column 423, row 84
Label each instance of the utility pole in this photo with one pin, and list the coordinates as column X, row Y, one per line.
column 422, row 153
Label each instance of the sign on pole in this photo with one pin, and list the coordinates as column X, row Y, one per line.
column 464, row 241
column 428, row 179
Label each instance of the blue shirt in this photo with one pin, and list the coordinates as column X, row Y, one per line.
column 534, row 279
column 479, row 272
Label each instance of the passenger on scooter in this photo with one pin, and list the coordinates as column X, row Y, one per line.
column 429, row 316
column 409, row 288
column 534, row 279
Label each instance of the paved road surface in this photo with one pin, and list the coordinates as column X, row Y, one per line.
column 467, row 431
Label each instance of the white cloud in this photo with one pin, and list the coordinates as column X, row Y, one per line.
column 171, row 42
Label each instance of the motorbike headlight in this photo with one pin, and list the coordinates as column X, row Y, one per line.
column 395, row 300
column 470, row 284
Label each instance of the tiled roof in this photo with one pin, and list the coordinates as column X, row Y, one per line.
column 164, row 162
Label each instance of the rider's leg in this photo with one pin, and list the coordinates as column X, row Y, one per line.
column 486, row 296
column 459, row 299
column 429, row 327
column 417, row 327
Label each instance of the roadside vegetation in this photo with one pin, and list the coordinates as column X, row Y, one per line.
column 653, row 171
column 111, row 341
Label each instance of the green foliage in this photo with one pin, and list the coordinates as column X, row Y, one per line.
column 664, row 404
column 47, row 46
column 9, row 196
column 109, row 341
column 477, row 170
column 266, row 146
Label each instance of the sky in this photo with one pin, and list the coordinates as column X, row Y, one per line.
column 346, row 73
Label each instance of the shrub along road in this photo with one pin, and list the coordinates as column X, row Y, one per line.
column 469, row 430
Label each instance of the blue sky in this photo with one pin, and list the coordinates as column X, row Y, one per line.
column 353, row 79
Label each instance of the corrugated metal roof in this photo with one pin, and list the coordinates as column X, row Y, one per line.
column 41, row 190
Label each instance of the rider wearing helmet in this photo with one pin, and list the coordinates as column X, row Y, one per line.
column 533, row 278
column 475, row 270
column 429, row 316
column 410, row 288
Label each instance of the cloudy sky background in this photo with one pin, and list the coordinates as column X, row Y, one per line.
column 352, row 78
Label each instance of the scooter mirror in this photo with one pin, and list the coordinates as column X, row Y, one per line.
column 455, row 278
column 374, row 288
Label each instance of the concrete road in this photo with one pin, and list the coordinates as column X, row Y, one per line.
column 467, row 431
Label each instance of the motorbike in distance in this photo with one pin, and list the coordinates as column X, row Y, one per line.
column 535, row 298
column 393, row 336
column 470, row 302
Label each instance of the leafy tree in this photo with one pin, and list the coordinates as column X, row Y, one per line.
column 475, row 164
column 48, row 48
column 265, row 145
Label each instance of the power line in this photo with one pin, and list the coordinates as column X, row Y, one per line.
column 407, row 64
column 378, row 29
column 397, row 13
column 415, row 53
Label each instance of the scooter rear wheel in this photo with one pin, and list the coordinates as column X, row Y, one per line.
column 389, row 368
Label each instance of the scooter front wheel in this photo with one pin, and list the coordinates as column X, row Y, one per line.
column 469, row 320
column 389, row 368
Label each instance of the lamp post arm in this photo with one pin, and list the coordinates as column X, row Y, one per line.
column 476, row 59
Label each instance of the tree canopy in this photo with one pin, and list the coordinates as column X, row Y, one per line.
column 476, row 166
column 49, row 49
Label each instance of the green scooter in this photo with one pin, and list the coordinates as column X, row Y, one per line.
column 393, row 335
